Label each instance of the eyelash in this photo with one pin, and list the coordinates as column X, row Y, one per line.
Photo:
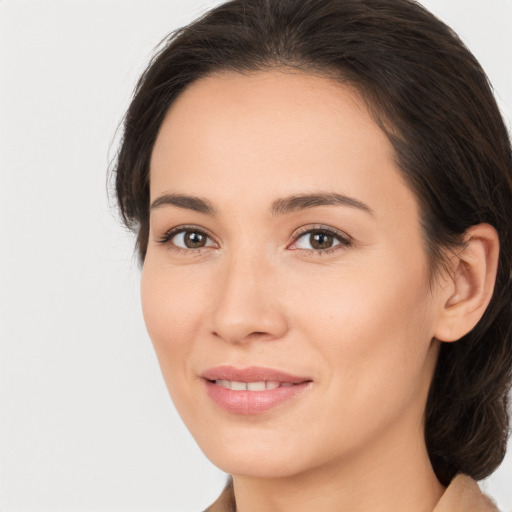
column 344, row 240
column 171, row 233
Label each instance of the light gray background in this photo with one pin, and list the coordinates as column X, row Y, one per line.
column 85, row 420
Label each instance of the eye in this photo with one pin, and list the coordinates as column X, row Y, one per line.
column 320, row 240
column 187, row 238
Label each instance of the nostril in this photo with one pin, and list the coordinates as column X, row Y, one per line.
column 248, row 323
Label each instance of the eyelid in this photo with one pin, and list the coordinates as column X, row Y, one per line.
column 168, row 235
column 344, row 239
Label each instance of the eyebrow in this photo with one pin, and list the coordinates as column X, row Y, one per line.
column 186, row 202
column 305, row 201
column 279, row 206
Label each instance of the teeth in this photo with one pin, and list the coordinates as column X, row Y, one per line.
column 256, row 386
column 252, row 386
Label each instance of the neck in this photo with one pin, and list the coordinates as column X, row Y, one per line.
column 394, row 475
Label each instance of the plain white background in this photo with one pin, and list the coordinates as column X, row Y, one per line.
column 85, row 420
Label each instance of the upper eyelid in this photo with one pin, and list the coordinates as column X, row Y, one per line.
column 298, row 233
column 172, row 232
column 309, row 229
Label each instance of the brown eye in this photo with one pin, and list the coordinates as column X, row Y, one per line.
column 187, row 239
column 194, row 239
column 321, row 240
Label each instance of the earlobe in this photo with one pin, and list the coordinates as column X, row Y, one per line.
column 471, row 283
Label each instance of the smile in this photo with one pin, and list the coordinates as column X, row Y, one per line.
column 252, row 390
column 252, row 386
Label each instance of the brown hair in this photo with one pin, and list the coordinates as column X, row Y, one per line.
column 432, row 98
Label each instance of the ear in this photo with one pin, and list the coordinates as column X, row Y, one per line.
column 470, row 285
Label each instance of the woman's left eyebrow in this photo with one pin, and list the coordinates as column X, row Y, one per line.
column 304, row 201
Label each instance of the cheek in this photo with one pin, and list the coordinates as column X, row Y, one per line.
column 358, row 296
column 373, row 327
column 372, row 332
column 172, row 308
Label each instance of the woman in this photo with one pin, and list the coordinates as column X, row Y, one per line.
column 321, row 195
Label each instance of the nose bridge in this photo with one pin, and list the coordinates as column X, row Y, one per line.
column 246, row 302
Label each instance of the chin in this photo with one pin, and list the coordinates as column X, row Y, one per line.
column 265, row 455
column 256, row 466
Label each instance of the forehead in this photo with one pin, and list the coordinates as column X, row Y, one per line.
column 256, row 109
column 271, row 133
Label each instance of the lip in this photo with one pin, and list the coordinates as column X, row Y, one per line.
column 252, row 402
column 251, row 374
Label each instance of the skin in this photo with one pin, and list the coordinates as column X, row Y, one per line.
column 359, row 320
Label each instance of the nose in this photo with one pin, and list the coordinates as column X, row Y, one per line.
column 247, row 304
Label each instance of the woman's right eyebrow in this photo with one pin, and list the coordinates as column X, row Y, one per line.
column 186, row 202
column 278, row 207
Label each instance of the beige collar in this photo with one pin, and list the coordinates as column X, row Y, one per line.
column 462, row 495
column 226, row 501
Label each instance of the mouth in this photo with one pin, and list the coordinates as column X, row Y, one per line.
column 252, row 390
column 261, row 385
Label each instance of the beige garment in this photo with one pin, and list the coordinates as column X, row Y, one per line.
column 462, row 495
column 225, row 502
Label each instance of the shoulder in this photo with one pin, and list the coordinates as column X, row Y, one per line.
column 226, row 501
column 464, row 495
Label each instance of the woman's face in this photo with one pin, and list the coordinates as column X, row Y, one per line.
column 285, row 286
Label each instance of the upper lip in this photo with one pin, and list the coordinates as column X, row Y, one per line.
column 251, row 374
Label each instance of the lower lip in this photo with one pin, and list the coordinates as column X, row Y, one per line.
column 253, row 402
